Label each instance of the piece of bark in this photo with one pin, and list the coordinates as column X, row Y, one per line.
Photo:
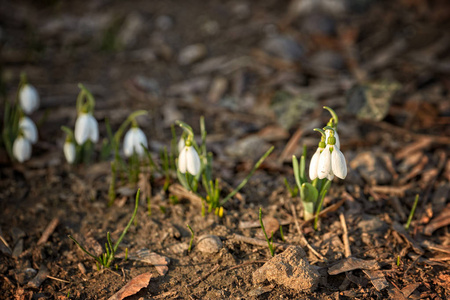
column 409, row 289
column 133, row 287
column 377, row 278
column 351, row 263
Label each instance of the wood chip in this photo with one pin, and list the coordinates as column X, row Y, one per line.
column 409, row 289
column 377, row 278
column 352, row 263
column 443, row 219
column 179, row 191
column 160, row 262
column 39, row 278
column 133, row 287
column 48, row 231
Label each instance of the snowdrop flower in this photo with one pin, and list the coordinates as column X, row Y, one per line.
column 22, row 148
column 86, row 128
column 28, row 128
column 189, row 161
column 133, row 140
column 29, row 98
column 331, row 161
column 70, row 151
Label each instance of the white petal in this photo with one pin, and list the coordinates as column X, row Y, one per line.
column 314, row 164
column 82, row 128
column 338, row 144
column 128, row 143
column 70, row 152
column 182, row 160
column 29, row 129
column 139, row 138
column 338, row 163
column 22, row 149
column 181, row 145
column 324, row 167
column 193, row 161
column 29, row 99
column 93, row 129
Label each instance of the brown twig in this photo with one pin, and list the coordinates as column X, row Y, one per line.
column 348, row 251
column 258, row 242
column 57, row 279
column 302, row 237
column 48, row 231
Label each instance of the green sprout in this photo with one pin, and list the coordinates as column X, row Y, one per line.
column 192, row 238
column 411, row 214
column 269, row 241
column 107, row 258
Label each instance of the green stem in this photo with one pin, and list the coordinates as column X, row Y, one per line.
column 269, row 243
column 192, row 237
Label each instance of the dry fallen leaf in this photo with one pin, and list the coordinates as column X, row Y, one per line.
column 134, row 286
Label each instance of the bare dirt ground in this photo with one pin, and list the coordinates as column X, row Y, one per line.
column 260, row 73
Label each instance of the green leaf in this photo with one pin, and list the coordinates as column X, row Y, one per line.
column 308, row 193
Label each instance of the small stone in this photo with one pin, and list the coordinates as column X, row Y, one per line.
column 284, row 47
column 209, row 244
column 191, row 54
column 164, row 22
column 289, row 269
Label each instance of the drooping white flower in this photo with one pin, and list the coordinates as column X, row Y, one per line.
column 22, row 149
column 189, row 161
column 28, row 98
column 28, row 128
column 70, row 151
column 336, row 135
column 313, row 166
column 324, row 164
column 338, row 163
column 133, row 140
column 86, row 128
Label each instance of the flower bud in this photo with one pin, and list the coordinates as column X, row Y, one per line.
column 28, row 99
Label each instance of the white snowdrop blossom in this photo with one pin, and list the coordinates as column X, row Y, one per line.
column 70, row 151
column 28, row 128
column 189, row 161
column 331, row 162
column 133, row 140
column 28, row 98
column 22, row 149
column 314, row 165
column 86, row 128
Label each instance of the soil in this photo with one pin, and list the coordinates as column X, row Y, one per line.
column 259, row 72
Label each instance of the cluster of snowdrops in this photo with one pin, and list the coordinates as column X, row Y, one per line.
column 188, row 158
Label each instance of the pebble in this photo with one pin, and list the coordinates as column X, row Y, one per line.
column 209, row 244
column 372, row 224
column 289, row 269
column 191, row 54
column 250, row 147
